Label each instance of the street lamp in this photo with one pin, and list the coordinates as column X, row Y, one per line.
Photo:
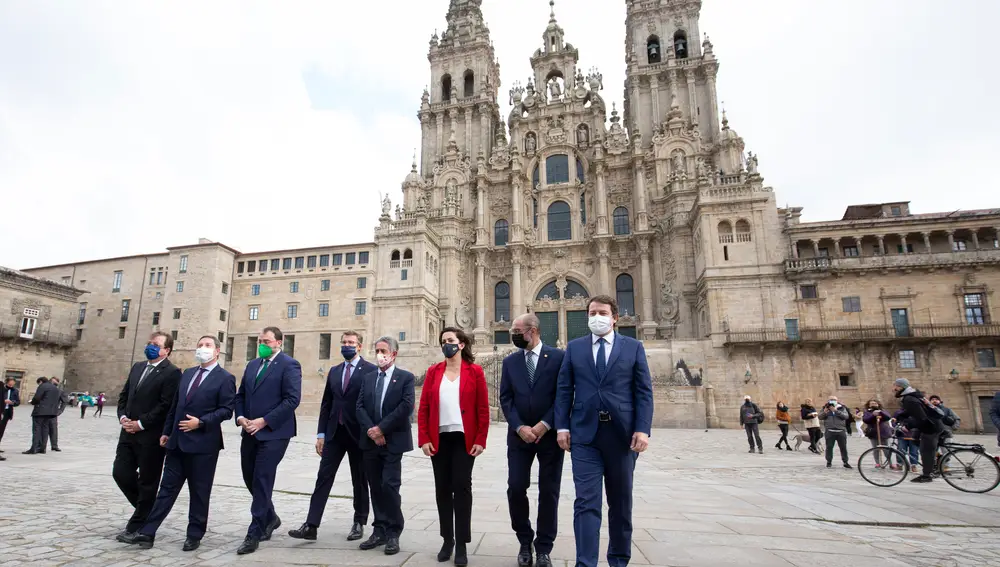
column 953, row 374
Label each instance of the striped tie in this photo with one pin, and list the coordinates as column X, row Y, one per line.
column 260, row 373
column 529, row 361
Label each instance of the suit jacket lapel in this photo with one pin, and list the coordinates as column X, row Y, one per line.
column 152, row 374
column 591, row 359
column 338, row 378
column 539, row 364
column 616, row 350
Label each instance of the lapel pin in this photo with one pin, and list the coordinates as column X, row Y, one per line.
column 545, row 356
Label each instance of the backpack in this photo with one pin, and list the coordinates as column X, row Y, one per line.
column 935, row 413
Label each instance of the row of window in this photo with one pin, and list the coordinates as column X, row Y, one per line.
column 288, row 346
column 985, row 358
column 975, row 311
column 302, row 262
column 360, row 308
column 324, row 285
column 560, row 223
column 853, row 252
column 624, row 292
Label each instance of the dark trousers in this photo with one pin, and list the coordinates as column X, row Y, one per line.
column 784, row 435
column 840, row 437
column 928, row 452
column 453, row 487
column 41, row 430
column 137, row 468
column 100, row 410
column 520, row 455
column 53, row 432
column 609, row 459
column 333, row 454
column 384, row 471
column 198, row 469
column 3, row 427
column 753, row 433
column 259, row 461
column 83, row 411
column 815, row 434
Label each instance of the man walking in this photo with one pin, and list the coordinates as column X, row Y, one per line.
column 338, row 435
column 54, row 424
column 192, row 435
column 604, row 410
column 269, row 393
column 834, row 417
column 143, row 405
column 750, row 418
column 527, row 396
column 384, row 409
column 47, row 401
column 11, row 399
column 917, row 414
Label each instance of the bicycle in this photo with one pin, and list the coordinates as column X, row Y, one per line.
column 958, row 464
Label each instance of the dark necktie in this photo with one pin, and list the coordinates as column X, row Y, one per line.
column 194, row 386
column 344, row 385
column 379, row 383
column 145, row 373
column 602, row 362
column 260, row 373
column 529, row 361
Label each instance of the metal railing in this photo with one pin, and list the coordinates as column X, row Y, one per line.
column 492, row 365
column 863, row 333
column 41, row 337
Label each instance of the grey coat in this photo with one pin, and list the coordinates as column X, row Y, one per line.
column 834, row 419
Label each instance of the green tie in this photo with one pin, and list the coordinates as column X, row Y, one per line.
column 260, row 373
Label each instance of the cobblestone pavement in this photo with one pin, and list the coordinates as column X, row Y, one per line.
column 700, row 500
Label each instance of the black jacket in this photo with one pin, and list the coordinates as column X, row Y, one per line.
column 396, row 411
column 15, row 398
column 149, row 402
column 48, row 401
column 914, row 414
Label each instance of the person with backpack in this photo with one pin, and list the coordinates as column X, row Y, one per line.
column 949, row 423
column 750, row 418
column 919, row 414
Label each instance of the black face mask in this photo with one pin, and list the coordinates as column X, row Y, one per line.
column 449, row 350
column 518, row 340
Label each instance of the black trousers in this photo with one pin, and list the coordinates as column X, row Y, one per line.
column 815, row 434
column 838, row 436
column 384, row 471
column 753, row 433
column 53, row 432
column 453, row 487
column 137, row 469
column 784, row 435
column 41, row 430
column 259, row 461
column 3, row 427
column 520, row 456
column 83, row 411
column 198, row 469
column 100, row 410
column 928, row 452
column 333, row 454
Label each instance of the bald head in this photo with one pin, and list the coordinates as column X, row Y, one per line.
column 525, row 327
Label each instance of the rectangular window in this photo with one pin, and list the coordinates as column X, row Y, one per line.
column 230, row 345
column 896, row 211
column 293, row 311
column 293, row 287
column 402, row 336
column 156, row 318
column 362, row 257
column 338, row 259
column 275, row 265
column 324, row 285
column 850, row 251
column 808, row 292
column 160, row 277
column 311, row 262
column 222, row 337
column 350, row 258
column 847, row 381
column 288, row 345
column 121, row 332
column 824, row 252
column 852, row 304
column 557, row 169
column 173, row 335
column 222, row 314
column 255, row 289
column 28, row 325
column 300, row 262
column 83, row 314
column 239, row 267
column 263, row 265
column 986, row 358
column 324, row 309
column 180, row 287
column 254, row 312
column 116, row 284
column 792, row 329
column 184, row 264
column 251, row 266
column 324, row 260
column 975, row 309
column 225, row 288
column 907, row 359
column 286, row 263
column 960, row 246
column 177, row 313
column 79, row 334
column 251, row 348
column 152, row 275
column 324, row 346
column 501, row 337
column 909, row 248
column 126, row 303
column 159, row 295
column 360, row 307
column 403, row 274
column 362, row 283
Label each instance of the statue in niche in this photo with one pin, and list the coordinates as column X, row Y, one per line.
column 530, row 143
column 582, row 135
column 554, row 89
column 386, row 206
column 451, row 193
column 678, row 163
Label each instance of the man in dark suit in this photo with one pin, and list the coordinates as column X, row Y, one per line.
column 527, row 397
column 143, row 405
column 48, row 402
column 265, row 408
column 338, row 434
column 385, row 406
column 54, row 424
column 604, row 404
column 11, row 399
column 192, row 435
column 995, row 414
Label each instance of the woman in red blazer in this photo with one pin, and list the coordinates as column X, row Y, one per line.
column 452, row 422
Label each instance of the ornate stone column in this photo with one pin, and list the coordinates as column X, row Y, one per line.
column 601, row 201
column 713, row 119
column 692, row 95
column 517, row 212
column 561, row 286
column 603, row 273
column 484, row 130
column 881, row 244
column 857, row 243
column 648, row 324
column 468, row 131
column 836, row 247
column 795, row 249
column 975, row 238
column 927, row 242
column 480, row 330
column 902, row 240
column 440, row 132
column 815, row 244
column 951, row 240
column 481, row 213
column 517, row 298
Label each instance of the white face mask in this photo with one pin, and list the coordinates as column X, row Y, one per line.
column 204, row 354
column 600, row 325
column 383, row 360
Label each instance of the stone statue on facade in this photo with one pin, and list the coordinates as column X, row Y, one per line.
column 596, row 79
column 582, row 135
column 669, row 303
column 386, row 206
column 554, row 89
column 751, row 163
column 530, row 143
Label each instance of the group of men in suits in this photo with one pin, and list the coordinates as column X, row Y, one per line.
column 598, row 397
column 49, row 402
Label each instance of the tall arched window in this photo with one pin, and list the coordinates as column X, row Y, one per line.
column 408, row 254
column 560, row 221
column 557, row 169
column 653, row 53
column 681, row 44
column 393, row 259
column 620, row 219
column 501, row 302
column 470, row 83
column 743, row 231
column 500, row 229
column 574, row 289
column 725, row 233
column 446, row 88
column 625, row 294
column 579, row 170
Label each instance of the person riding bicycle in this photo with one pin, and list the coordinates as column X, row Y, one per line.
column 916, row 416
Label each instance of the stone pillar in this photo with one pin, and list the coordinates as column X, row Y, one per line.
column 710, row 413
column 468, row 131
column 601, row 201
column 484, row 134
column 927, row 242
column 562, row 323
column 857, row 243
column 517, row 213
column 648, row 324
column 440, row 134
column 713, row 100
column 881, row 244
column 480, row 330
column 480, row 208
column 517, row 298
column 633, row 83
column 951, row 240
column 975, row 238
column 836, row 247
column 815, row 244
column 654, row 96
column 902, row 240
column 692, row 95
column 996, row 237
column 641, row 218
column 795, row 249
column 603, row 272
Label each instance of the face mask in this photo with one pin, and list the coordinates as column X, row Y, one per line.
column 383, row 361
column 449, row 350
column 599, row 325
column 348, row 352
column 518, row 340
column 264, row 351
column 152, row 352
column 204, row 354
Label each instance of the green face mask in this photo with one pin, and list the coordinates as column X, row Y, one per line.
column 264, row 351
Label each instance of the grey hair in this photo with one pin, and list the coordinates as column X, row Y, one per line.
column 530, row 319
column 215, row 340
column 390, row 342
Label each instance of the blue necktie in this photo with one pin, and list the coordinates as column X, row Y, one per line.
column 379, row 384
column 602, row 362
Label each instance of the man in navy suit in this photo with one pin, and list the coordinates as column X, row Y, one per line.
column 192, row 435
column 604, row 403
column 384, row 408
column 265, row 408
column 527, row 397
column 10, row 398
column 338, row 435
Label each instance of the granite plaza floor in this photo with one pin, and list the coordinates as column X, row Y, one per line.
column 700, row 500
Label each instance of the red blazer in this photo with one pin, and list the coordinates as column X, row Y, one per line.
column 473, row 399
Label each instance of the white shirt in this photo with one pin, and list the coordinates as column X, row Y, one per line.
column 449, row 407
column 207, row 370
column 385, row 385
column 596, row 344
column 537, row 355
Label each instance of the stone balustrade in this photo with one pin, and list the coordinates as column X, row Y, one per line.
column 884, row 333
column 896, row 261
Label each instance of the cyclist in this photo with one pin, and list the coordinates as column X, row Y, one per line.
column 915, row 416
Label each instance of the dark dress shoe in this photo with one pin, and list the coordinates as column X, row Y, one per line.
column 29, row 452
column 57, row 449
column 125, row 536
column 375, row 540
column 922, row 478
column 2, row 458
column 392, row 546
column 357, row 530
column 524, row 556
column 269, row 530
column 543, row 560
column 191, row 544
column 461, row 556
column 249, row 545
column 446, row 548
column 142, row 540
column 305, row 532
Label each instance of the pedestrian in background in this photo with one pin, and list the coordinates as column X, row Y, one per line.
column 784, row 419
column 751, row 418
column 810, row 420
column 834, row 419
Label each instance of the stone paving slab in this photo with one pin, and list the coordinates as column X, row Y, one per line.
column 700, row 500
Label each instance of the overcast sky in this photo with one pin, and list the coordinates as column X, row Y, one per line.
column 127, row 127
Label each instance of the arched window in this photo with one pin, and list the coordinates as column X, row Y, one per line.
column 625, row 294
column 500, row 233
column 501, row 302
column 557, row 169
column 560, row 221
column 574, row 289
column 549, row 291
column 725, row 233
column 395, row 256
column 446, row 88
column 620, row 219
column 653, row 52
column 743, row 231
column 583, row 209
column 470, row 83
column 579, row 170
column 681, row 44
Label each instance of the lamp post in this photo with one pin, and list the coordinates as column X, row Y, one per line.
column 953, row 374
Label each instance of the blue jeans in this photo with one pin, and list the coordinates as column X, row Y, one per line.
column 911, row 448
